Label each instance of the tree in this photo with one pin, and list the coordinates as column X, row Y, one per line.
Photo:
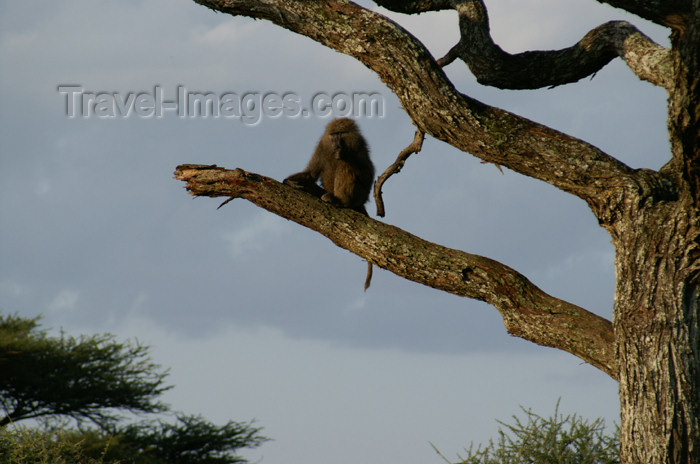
column 92, row 379
column 86, row 378
column 191, row 440
column 557, row 439
column 653, row 217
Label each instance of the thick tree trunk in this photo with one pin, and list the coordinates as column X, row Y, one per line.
column 657, row 332
column 657, row 314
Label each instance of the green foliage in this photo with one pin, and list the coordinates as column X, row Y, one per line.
column 191, row 440
column 92, row 378
column 555, row 440
column 84, row 378
column 33, row 446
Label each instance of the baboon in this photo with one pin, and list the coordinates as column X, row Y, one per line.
column 341, row 160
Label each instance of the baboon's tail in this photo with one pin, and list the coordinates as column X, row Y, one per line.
column 368, row 279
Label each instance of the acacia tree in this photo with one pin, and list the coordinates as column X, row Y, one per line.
column 94, row 379
column 653, row 346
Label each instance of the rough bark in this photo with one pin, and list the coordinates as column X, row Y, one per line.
column 657, row 332
column 652, row 217
column 527, row 311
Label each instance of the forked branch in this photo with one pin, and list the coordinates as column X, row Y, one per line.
column 536, row 69
column 527, row 311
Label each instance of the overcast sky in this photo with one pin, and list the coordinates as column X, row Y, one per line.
column 96, row 235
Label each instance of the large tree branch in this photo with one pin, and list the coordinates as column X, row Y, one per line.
column 438, row 109
column 536, row 69
column 671, row 13
column 527, row 311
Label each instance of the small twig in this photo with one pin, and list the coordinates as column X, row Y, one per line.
column 452, row 55
column 227, row 200
column 440, row 454
column 414, row 147
column 495, row 164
